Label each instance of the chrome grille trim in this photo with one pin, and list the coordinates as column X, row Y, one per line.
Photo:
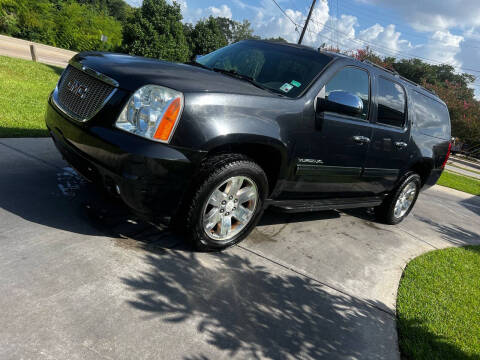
column 100, row 90
column 94, row 73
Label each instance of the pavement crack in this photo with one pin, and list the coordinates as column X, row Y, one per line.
column 417, row 238
column 310, row 277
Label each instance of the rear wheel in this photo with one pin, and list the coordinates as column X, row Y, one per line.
column 226, row 203
column 398, row 205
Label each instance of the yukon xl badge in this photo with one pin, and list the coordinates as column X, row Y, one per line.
column 310, row 161
column 77, row 89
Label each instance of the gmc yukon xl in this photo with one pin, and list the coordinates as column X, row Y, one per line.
column 210, row 144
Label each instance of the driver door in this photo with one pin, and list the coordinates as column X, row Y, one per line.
column 330, row 163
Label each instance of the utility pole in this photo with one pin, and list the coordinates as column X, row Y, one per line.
column 306, row 22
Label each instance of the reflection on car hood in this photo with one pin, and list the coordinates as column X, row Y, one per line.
column 132, row 72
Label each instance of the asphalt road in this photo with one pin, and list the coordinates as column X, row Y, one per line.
column 19, row 48
column 81, row 278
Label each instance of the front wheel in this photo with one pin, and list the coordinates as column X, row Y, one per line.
column 398, row 205
column 227, row 202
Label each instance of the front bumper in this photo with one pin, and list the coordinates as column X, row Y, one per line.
column 151, row 177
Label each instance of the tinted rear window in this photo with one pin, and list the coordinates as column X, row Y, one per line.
column 391, row 103
column 431, row 116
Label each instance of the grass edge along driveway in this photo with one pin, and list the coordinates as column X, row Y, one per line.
column 463, row 183
column 438, row 305
column 24, row 89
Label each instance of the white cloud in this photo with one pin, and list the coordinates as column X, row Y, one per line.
column 431, row 15
column 223, row 11
column 269, row 22
column 386, row 38
column 469, row 54
column 192, row 15
column 274, row 26
column 443, row 47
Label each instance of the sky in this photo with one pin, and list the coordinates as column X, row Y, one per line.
column 436, row 31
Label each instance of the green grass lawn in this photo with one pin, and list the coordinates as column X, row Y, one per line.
column 24, row 89
column 460, row 182
column 438, row 305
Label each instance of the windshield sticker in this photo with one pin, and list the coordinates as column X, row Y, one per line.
column 286, row 87
column 295, row 83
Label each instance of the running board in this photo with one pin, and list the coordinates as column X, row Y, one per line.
column 294, row 206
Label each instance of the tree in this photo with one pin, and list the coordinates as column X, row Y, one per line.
column 206, row 36
column 242, row 31
column 155, row 30
column 463, row 108
column 278, row 39
column 28, row 19
column 80, row 27
column 67, row 24
column 118, row 9
column 235, row 31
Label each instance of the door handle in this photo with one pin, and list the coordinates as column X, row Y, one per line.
column 361, row 139
column 401, row 144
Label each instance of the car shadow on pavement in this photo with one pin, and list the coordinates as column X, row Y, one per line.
column 274, row 217
column 113, row 218
column 244, row 309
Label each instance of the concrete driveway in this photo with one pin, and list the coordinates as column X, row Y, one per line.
column 81, row 278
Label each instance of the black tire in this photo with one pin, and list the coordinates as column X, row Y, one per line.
column 214, row 171
column 386, row 211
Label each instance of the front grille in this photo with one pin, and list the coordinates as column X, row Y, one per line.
column 80, row 95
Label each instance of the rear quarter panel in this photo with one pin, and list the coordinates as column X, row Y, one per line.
column 430, row 147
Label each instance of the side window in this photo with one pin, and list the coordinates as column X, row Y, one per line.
column 431, row 116
column 391, row 103
column 354, row 81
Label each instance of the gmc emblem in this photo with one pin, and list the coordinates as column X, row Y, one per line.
column 77, row 89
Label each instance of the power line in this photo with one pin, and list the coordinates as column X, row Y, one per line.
column 370, row 15
column 370, row 43
column 286, row 15
column 393, row 50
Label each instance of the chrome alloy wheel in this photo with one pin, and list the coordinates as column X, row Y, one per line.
column 230, row 208
column 405, row 200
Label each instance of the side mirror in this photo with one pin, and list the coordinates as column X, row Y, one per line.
column 341, row 102
column 197, row 57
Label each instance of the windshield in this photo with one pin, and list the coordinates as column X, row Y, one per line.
column 283, row 69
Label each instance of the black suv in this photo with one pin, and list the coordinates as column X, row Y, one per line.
column 210, row 144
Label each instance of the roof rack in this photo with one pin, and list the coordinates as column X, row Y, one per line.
column 408, row 80
column 394, row 72
column 332, row 52
column 400, row 76
column 417, row 85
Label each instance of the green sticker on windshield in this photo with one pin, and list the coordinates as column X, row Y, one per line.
column 286, row 87
column 295, row 83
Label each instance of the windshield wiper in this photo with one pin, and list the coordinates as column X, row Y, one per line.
column 194, row 63
column 251, row 80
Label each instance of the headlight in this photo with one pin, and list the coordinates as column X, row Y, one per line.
column 152, row 112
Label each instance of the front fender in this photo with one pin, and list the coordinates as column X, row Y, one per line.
column 208, row 117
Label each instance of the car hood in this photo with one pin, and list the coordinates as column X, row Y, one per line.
column 132, row 72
